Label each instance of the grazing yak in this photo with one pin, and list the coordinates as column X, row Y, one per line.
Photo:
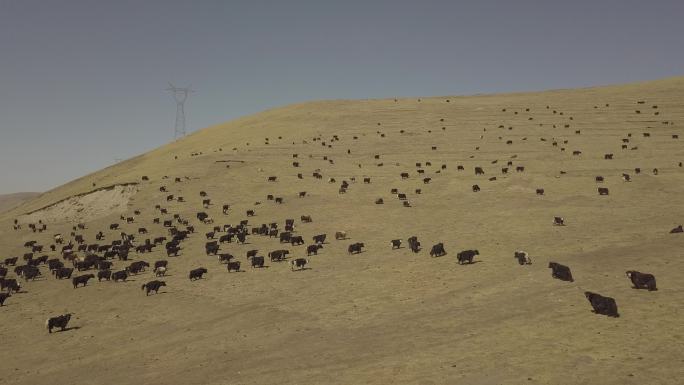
column 540, row 191
column 479, row 171
column 233, row 266
column 30, row 272
column 251, row 253
column 466, row 256
column 137, row 267
column 437, row 250
column 677, row 230
column 225, row 257
column 298, row 264
column 395, row 243
column 285, row 237
column 603, row 191
column 355, row 248
column 296, row 240
column 104, row 274
column 320, row 238
column 313, row 249
column 340, row 235
column 58, row 322
column 11, row 261
column 197, row 273
column 211, row 248
column 558, row 221
column 476, row 188
column 82, row 280
column 226, row 238
column 561, row 272
column 602, row 305
column 277, row 255
column 63, row 272
column 3, row 297
column 152, row 286
column 120, row 276
column 10, row 284
column 642, row 280
column 172, row 251
column 414, row 245
column 522, row 257
column 257, row 262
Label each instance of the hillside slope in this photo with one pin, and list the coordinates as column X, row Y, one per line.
column 10, row 201
column 384, row 315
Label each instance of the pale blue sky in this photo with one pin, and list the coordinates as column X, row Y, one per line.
column 83, row 82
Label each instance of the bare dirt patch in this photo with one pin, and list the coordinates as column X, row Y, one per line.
column 88, row 206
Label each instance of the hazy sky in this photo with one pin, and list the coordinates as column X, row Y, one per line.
column 82, row 83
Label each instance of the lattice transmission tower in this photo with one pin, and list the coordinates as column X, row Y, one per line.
column 180, row 95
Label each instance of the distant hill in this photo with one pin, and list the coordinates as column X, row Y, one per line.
column 10, row 201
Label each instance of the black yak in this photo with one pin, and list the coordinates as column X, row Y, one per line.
column 81, row 280
column 437, row 250
column 602, row 305
column 466, row 256
column 58, row 322
column 120, row 276
column 104, row 274
column 152, row 286
column 355, row 248
column 642, row 280
column 257, row 262
column 561, row 272
column 298, row 263
column 233, row 266
column 313, row 249
column 3, row 297
column 197, row 273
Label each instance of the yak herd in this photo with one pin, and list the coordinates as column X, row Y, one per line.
column 81, row 262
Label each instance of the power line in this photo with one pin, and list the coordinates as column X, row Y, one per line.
column 180, row 95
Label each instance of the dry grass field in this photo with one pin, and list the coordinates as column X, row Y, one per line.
column 382, row 316
column 10, row 201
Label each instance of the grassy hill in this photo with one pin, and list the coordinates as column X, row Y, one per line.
column 381, row 316
column 9, row 201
